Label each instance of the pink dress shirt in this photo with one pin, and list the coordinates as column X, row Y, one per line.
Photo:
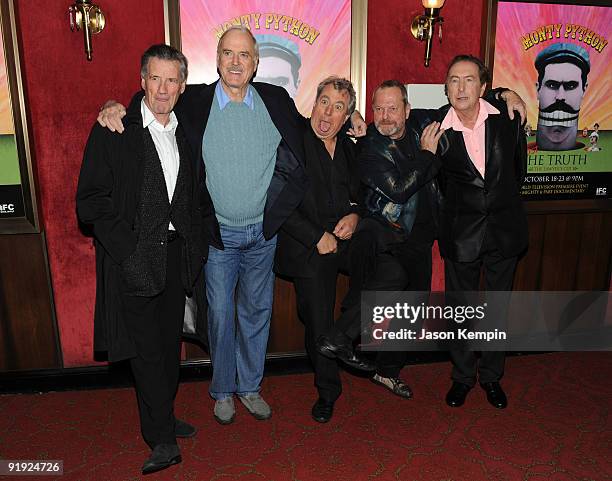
column 474, row 138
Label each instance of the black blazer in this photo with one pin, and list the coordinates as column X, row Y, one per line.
column 296, row 252
column 289, row 181
column 472, row 205
column 107, row 199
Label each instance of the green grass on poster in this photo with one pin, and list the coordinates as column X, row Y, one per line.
column 9, row 163
column 577, row 160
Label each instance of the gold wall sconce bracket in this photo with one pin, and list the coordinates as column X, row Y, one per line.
column 423, row 26
column 88, row 17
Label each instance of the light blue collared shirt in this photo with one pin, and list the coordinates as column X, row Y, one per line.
column 224, row 99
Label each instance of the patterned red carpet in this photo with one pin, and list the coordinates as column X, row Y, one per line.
column 556, row 427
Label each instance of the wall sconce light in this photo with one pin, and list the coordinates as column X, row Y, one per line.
column 88, row 17
column 422, row 27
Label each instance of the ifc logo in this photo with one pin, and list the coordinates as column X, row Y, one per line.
column 7, row 208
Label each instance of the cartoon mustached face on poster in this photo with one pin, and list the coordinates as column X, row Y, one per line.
column 563, row 70
column 556, row 57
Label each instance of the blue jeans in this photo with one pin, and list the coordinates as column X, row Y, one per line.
column 238, row 346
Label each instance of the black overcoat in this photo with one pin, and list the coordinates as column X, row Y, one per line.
column 107, row 200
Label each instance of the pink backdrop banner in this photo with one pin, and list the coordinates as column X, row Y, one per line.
column 319, row 29
column 6, row 120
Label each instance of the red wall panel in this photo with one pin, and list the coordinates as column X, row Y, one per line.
column 64, row 92
column 393, row 53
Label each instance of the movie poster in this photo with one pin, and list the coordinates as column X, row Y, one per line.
column 557, row 58
column 300, row 42
column 11, row 197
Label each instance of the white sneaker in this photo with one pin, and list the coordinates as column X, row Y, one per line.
column 225, row 411
column 256, row 405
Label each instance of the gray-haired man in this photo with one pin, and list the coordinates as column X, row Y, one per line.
column 142, row 194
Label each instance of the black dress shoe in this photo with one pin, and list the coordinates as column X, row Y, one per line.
column 322, row 410
column 183, row 429
column 338, row 350
column 456, row 394
column 162, row 457
column 495, row 394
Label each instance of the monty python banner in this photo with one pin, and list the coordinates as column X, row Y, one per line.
column 557, row 58
column 300, row 42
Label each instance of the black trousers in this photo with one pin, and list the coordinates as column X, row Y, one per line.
column 415, row 261
column 465, row 276
column 405, row 266
column 316, row 298
column 155, row 324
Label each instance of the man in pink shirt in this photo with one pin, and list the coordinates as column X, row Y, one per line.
column 482, row 223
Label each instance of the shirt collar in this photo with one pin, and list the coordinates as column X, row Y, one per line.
column 451, row 120
column 148, row 119
column 224, row 99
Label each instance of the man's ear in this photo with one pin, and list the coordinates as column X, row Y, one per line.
column 482, row 89
column 142, row 82
column 183, row 85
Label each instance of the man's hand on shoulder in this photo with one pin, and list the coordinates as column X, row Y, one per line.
column 327, row 244
column 514, row 102
column 358, row 125
column 430, row 137
column 110, row 116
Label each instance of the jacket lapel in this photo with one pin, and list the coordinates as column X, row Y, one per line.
column 492, row 128
column 458, row 141
column 206, row 97
column 283, row 121
column 183, row 164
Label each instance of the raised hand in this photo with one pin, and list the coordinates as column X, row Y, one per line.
column 430, row 137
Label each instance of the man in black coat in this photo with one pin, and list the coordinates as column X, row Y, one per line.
column 483, row 227
column 314, row 242
column 144, row 196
